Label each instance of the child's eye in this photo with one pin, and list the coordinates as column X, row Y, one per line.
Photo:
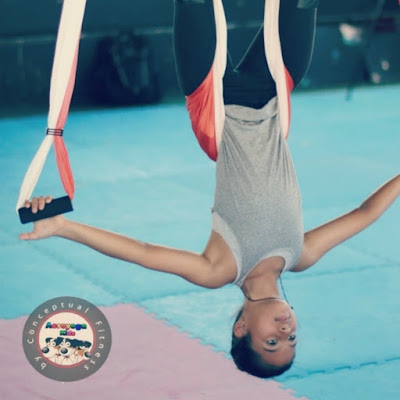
column 272, row 342
column 292, row 338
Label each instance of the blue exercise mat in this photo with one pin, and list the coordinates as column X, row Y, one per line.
column 140, row 172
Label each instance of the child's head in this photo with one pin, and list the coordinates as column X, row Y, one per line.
column 264, row 338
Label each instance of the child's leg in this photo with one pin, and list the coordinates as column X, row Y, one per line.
column 194, row 42
column 200, row 40
column 296, row 31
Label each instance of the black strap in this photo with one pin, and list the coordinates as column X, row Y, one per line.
column 54, row 132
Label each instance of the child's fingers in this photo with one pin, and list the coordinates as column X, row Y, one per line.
column 41, row 203
column 35, row 205
column 38, row 203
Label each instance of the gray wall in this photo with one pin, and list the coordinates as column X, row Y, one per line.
column 28, row 32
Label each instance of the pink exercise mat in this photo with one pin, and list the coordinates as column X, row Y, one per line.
column 148, row 361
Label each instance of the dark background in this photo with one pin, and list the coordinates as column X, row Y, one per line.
column 28, row 32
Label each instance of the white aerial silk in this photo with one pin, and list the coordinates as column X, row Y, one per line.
column 219, row 68
column 273, row 52
column 61, row 88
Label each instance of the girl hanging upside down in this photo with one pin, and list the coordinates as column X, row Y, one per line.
column 240, row 116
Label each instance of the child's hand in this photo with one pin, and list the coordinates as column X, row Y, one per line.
column 45, row 227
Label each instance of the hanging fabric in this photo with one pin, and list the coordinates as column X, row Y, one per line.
column 206, row 103
column 61, row 89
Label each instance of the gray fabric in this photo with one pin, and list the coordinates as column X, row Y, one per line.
column 257, row 207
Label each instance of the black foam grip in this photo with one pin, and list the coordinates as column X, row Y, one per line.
column 56, row 207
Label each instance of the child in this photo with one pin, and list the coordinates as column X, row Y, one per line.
column 257, row 231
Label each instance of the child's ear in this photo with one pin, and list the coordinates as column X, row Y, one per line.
column 240, row 329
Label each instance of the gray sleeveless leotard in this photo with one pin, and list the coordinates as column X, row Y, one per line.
column 257, row 207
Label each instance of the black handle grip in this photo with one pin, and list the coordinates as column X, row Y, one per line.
column 56, row 207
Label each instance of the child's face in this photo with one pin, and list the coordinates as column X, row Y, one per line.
column 273, row 331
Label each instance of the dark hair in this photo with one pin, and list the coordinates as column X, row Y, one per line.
column 248, row 360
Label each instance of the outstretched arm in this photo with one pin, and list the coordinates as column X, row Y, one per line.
column 320, row 240
column 194, row 267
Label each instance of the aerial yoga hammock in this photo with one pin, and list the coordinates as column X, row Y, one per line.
column 206, row 104
column 61, row 88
